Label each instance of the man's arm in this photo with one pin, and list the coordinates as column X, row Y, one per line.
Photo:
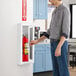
column 58, row 48
column 33, row 42
column 41, row 38
column 65, row 27
column 62, row 40
column 45, row 35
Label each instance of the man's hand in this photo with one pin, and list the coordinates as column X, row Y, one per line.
column 58, row 51
column 60, row 44
column 33, row 42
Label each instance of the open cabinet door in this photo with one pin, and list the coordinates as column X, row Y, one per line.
column 32, row 47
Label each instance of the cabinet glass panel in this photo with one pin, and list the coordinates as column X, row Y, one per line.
column 31, row 38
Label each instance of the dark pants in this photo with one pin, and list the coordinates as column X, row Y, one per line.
column 60, row 65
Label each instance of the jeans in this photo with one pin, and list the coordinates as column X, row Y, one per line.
column 60, row 64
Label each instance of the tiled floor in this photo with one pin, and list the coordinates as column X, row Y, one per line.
column 71, row 70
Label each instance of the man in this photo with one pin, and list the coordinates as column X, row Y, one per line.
column 58, row 33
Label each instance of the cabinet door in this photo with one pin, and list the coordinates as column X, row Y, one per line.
column 35, row 9
column 34, row 63
column 38, row 48
column 43, row 5
column 48, row 58
column 43, row 48
column 48, row 49
column 44, row 61
column 38, row 62
column 48, row 62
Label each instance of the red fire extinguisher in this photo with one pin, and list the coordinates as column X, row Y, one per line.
column 25, row 49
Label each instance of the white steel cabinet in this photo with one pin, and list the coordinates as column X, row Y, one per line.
column 25, row 52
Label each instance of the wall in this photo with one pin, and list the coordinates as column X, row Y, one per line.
column 72, row 1
column 10, row 15
column 40, row 23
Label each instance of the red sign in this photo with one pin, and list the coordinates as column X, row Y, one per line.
column 24, row 10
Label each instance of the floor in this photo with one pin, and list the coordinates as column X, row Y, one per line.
column 49, row 73
column 72, row 71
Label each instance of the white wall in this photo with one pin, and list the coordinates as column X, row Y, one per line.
column 40, row 23
column 10, row 15
column 72, row 1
